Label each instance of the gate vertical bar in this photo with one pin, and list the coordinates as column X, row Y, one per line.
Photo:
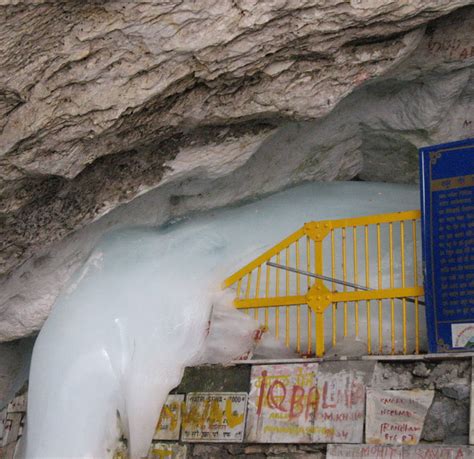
column 277, row 293
column 404, row 303
column 318, row 269
column 333, row 287
column 415, row 283
column 309, row 344
column 344, row 275
column 367, row 284
column 298, row 292
column 267, row 292
column 287, row 291
column 356, row 278
column 379, row 286
column 392, row 301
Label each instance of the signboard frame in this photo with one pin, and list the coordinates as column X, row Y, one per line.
column 442, row 167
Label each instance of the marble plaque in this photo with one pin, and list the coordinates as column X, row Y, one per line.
column 396, row 416
column 306, row 403
column 169, row 424
column 399, row 452
column 17, row 405
column 167, row 451
column 438, row 452
column 364, row 452
column 11, row 428
column 214, row 417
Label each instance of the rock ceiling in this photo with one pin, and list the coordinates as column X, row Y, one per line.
column 174, row 106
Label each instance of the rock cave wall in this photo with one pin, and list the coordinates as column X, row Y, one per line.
column 125, row 113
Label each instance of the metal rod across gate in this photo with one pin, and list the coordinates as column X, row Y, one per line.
column 331, row 279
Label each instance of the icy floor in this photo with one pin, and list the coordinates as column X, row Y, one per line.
column 137, row 313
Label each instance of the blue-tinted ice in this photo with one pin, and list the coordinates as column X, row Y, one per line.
column 136, row 314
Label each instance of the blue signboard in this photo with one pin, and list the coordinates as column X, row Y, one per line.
column 447, row 202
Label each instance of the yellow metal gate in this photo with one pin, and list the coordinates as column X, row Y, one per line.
column 354, row 277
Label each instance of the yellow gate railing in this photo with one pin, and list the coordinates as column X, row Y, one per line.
column 350, row 276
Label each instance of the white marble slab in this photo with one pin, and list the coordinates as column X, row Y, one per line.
column 396, row 417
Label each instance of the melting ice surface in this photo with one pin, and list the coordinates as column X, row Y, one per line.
column 137, row 313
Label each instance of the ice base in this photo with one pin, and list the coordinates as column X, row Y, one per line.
column 121, row 334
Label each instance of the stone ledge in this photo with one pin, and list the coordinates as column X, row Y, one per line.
column 381, row 358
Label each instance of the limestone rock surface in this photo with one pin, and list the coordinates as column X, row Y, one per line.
column 115, row 113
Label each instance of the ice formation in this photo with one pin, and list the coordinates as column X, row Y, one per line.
column 119, row 337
